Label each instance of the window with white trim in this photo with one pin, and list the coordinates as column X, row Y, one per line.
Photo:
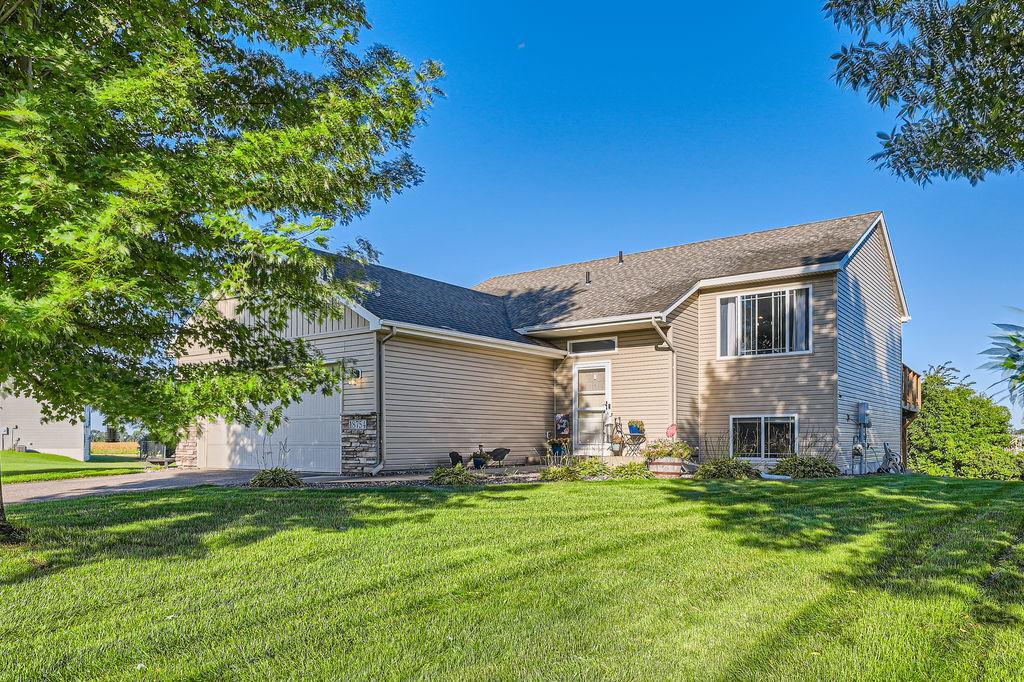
column 765, row 323
column 764, row 436
column 606, row 345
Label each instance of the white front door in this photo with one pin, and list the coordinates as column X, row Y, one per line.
column 592, row 395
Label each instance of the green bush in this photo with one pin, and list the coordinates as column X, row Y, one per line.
column 563, row 473
column 990, row 461
column 276, row 477
column 457, row 475
column 592, row 468
column 668, row 449
column 960, row 432
column 806, row 467
column 632, row 471
column 732, row 469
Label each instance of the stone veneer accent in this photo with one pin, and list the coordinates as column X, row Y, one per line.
column 358, row 447
column 187, row 452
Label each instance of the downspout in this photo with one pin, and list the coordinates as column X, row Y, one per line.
column 379, row 464
column 672, row 378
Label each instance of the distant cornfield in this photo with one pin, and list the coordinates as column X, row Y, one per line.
column 127, row 448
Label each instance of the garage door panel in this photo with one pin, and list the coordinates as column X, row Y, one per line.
column 308, row 439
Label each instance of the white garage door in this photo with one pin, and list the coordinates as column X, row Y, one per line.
column 309, row 439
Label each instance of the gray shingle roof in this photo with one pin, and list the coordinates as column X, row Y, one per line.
column 404, row 297
column 651, row 281
column 647, row 282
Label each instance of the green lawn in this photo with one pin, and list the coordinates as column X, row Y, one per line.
column 18, row 467
column 874, row 578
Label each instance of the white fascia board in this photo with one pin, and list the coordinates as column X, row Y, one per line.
column 592, row 322
column 364, row 313
column 405, row 328
column 880, row 224
column 753, row 277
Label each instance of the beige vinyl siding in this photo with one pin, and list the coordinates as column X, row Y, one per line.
column 870, row 350
column 640, row 376
column 24, row 417
column 441, row 396
column 685, row 339
column 313, row 430
column 804, row 385
column 299, row 326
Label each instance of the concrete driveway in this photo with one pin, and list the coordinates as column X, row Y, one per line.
column 38, row 491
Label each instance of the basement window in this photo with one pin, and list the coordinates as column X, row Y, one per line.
column 763, row 436
column 590, row 346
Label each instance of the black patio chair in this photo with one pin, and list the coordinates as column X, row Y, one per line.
column 499, row 455
column 455, row 457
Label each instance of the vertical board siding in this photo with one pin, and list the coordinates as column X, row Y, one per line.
column 440, row 397
column 870, row 350
column 685, row 339
column 804, row 385
column 299, row 326
column 641, row 379
column 24, row 417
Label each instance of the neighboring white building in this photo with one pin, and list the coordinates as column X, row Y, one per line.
column 21, row 424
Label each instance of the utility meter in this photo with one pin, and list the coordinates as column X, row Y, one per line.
column 863, row 414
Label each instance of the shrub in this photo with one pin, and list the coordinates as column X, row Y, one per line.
column 457, row 475
column 632, row 471
column 990, row 461
column 560, row 473
column 668, row 449
column 592, row 468
column 806, row 467
column 726, row 468
column 276, row 477
column 959, row 432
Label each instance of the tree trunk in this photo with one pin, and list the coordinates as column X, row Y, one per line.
column 8, row 533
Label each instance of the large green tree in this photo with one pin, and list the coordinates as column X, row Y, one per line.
column 960, row 432
column 953, row 73
column 156, row 156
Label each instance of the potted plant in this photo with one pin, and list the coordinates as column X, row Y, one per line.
column 559, row 447
column 665, row 457
column 636, row 427
column 480, row 458
column 617, row 444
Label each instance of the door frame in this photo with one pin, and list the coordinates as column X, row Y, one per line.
column 603, row 364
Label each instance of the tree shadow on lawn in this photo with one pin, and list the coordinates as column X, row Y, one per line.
column 190, row 523
column 946, row 538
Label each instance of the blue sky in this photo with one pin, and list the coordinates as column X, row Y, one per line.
column 572, row 130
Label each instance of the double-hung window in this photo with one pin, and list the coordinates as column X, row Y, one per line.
column 765, row 323
column 765, row 437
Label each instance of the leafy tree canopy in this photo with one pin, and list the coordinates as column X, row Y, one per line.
column 960, row 432
column 1007, row 353
column 159, row 155
column 954, row 73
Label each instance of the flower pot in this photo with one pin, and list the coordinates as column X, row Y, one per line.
column 635, row 431
column 478, row 462
column 666, row 467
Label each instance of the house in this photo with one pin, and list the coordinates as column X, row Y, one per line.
column 22, row 427
column 759, row 345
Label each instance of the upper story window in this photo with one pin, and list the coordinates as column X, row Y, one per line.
column 607, row 345
column 765, row 323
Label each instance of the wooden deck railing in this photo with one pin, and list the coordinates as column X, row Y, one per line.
column 911, row 390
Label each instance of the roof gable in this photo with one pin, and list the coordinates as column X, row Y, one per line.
column 651, row 282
